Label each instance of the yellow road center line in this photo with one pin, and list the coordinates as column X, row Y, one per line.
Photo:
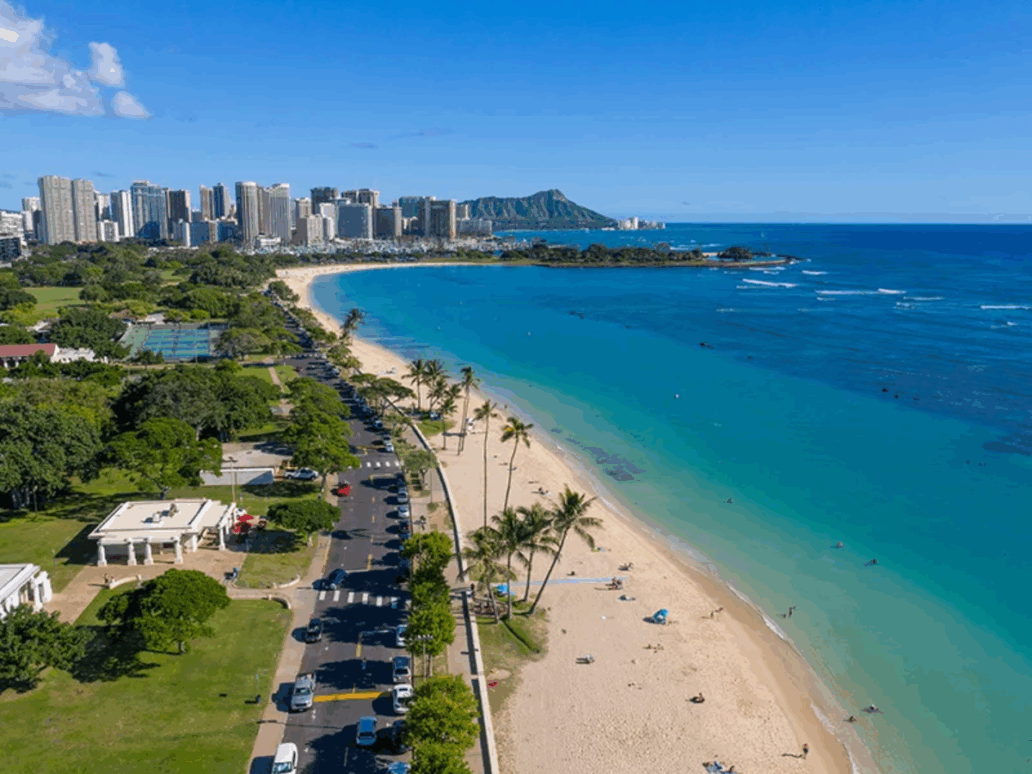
column 353, row 695
column 369, row 562
column 358, row 647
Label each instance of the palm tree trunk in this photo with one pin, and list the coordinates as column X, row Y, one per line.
column 508, row 585
column 462, row 430
column 512, row 459
column 487, row 435
column 530, row 566
column 555, row 561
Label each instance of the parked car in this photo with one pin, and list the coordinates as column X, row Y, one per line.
column 399, row 635
column 394, row 738
column 366, row 733
column 388, row 446
column 403, row 496
column 314, row 631
column 302, row 474
column 285, row 760
column 304, row 692
column 336, row 578
column 405, row 528
column 401, row 698
column 402, row 672
column 404, row 511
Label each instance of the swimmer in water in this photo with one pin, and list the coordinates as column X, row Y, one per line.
column 873, row 561
column 730, row 501
column 838, row 544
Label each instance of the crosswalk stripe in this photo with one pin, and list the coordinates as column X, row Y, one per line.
column 365, row 597
column 351, row 597
column 322, row 595
column 336, row 595
column 379, row 601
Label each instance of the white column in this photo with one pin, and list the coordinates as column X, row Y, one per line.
column 193, row 543
column 44, row 584
column 101, row 556
column 179, row 550
column 132, row 552
column 148, row 557
column 222, row 538
column 37, row 603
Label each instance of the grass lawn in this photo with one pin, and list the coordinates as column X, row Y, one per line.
column 49, row 300
column 431, row 427
column 509, row 645
column 286, row 374
column 257, row 370
column 276, row 556
column 57, row 545
column 184, row 714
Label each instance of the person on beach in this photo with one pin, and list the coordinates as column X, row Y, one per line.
column 851, row 719
column 790, row 610
column 698, row 699
column 871, row 709
column 806, row 749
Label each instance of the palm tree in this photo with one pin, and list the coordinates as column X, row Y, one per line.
column 447, row 407
column 482, row 556
column 351, row 322
column 468, row 382
column 509, row 531
column 569, row 516
column 514, row 431
column 537, row 537
column 433, row 374
column 416, row 374
column 484, row 413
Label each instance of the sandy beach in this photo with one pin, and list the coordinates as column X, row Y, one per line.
column 629, row 712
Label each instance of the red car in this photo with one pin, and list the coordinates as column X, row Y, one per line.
column 342, row 491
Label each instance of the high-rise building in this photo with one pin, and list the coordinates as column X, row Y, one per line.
column 474, row 226
column 279, row 212
column 303, row 208
column 387, row 222
column 103, row 207
column 463, row 211
column 84, row 208
column 309, row 230
column 11, row 223
column 264, row 213
column 248, row 213
column 221, row 201
column 323, row 196
column 202, row 231
column 150, row 210
column 31, row 215
column 442, row 219
column 228, row 230
column 30, row 203
column 354, row 220
column 329, row 227
column 122, row 213
column 179, row 232
column 207, row 203
column 55, row 196
column 107, row 231
column 10, row 248
column 412, row 206
column 178, row 206
column 363, row 196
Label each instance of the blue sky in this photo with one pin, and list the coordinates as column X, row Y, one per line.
column 681, row 110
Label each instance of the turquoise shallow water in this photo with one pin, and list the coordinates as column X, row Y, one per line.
column 784, row 412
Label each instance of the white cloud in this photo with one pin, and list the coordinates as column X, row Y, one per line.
column 106, row 68
column 125, row 105
column 32, row 79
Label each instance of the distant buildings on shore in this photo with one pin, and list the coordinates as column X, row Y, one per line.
column 260, row 218
column 634, row 224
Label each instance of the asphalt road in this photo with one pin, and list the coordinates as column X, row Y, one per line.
column 358, row 645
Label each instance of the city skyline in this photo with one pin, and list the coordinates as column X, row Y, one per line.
column 880, row 111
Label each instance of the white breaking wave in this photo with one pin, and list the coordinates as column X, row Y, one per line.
column 924, row 298
column 847, row 292
column 993, row 306
column 727, row 310
column 770, row 284
column 814, row 272
column 891, row 292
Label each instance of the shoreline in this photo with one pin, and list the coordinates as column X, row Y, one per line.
column 742, row 648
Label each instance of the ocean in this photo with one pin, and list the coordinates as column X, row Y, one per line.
column 878, row 394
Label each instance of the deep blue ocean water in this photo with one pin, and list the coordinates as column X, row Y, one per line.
column 878, row 394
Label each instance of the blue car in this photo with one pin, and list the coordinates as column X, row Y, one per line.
column 336, row 578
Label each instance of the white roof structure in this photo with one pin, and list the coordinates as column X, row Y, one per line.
column 162, row 521
column 23, row 584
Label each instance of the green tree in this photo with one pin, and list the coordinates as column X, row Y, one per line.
column 421, row 461
column 444, row 712
column 436, row 758
column 320, row 442
column 569, row 517
column 482, row 555
column 468, row 383
column 283, row 292
column 88, row 327
column 351, row 322
column 12, row 295
column 183, row 393
column 243, row 402
column 429, row 549
column 167, row 453
column 510, row 533
column 31, row 642
column 304, row 516
column 416, row 374
column 514, row 431
column 241, row 342
column 171, row 609
column 537, row 537
column 431, row 628
column 15, row 334
column 485, row 414
column 42, row 447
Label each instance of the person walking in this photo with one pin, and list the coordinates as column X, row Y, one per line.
column 806, row 749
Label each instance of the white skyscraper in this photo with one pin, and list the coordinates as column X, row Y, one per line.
column 122, row 212
column 84, row 206
column 248, row 213
column 55, row 195
column 279, row 212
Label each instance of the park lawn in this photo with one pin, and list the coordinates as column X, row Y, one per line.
column 507, row 647
column 50, row 299
column 286, row 373
column 186, row 714
column 258, row 370
column 276, row 556
column 57, row 545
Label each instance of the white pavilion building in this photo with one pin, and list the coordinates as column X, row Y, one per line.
column 23, row 584
column 161, row 525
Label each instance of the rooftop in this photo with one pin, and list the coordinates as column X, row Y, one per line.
column 161, row 519
column 12, row 576
column 26, row 350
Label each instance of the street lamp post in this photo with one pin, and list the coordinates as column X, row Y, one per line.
column 423, row 638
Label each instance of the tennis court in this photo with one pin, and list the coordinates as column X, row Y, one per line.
column 174, row 342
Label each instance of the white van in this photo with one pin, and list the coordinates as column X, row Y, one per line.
column 285, row 761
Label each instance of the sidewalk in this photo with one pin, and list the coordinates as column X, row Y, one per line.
column 301, row 600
